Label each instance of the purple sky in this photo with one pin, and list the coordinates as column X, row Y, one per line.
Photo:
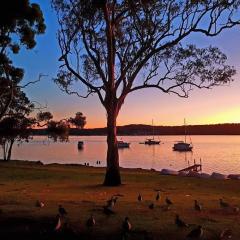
column 219, row 105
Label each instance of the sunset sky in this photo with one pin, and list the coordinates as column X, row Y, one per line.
column 219, row 105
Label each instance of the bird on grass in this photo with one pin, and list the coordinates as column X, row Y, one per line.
column 114, row 200
column 126, row 228
column 108, row 211
column 223, row 204
column 197, row 206
column 39, row 204
column 62, row 211
column 196, row 233
column 140, row 198
column 236, row 209
column 58, row 224
column 111, row 202
column 168, row 201
column 225, row 234
column 91, row 222
column 151, row 206
column 179, row 222
column 158, row 196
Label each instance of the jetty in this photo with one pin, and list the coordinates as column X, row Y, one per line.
column 193, row 168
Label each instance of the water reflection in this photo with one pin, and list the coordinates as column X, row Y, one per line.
column 218, row 153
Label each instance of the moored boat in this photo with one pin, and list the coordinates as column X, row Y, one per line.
column 80, row 144
column 122, row 144
column 182, row 146
column 151, row 141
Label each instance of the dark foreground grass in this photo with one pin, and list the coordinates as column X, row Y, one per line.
column 79, row 190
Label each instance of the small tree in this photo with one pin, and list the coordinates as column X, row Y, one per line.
column 16, row 124
column 79, row 120
column 13, row 129
column 20, row 22
column 115, row 47
column 58, row 130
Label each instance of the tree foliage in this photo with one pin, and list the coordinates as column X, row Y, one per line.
column 16, row 125
column 115, row 47
column 20, row 22
column 79, row 120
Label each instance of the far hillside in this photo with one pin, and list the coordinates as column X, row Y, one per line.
column 141, row 129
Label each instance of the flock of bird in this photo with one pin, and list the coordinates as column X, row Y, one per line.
column 195, row 233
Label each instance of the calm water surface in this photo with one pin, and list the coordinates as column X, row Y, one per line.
column 218, row 153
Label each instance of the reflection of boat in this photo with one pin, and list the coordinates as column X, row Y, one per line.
column 151, row 141
column 183, row 146
column 80, row 144
column 122, row 144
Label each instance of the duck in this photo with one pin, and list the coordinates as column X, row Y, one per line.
column 58, row 223
column 39, row 204
column 140, row 198
column 126, row 226
column 179, row 222
column 226, row 234
column 197, row 206
column 91, row 221
column 223, row 204
column 151, row 206
column 62, row 210
column 168, row 201
column 196, row 233
column 108, row 211
column 158, row 196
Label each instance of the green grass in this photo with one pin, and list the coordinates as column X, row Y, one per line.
column 79, row 190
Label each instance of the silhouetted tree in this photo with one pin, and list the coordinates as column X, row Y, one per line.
column 115, row 47
column 15, row 126
column 79, row 120
column 20, row 22
column 58, row 130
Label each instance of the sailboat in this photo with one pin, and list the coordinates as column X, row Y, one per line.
column 152, row 141
column 183, row 146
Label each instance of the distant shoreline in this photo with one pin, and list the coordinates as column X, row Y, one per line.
column 146, row 130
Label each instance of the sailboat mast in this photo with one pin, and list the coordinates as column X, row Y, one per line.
column 152, row 129
column 185, row 130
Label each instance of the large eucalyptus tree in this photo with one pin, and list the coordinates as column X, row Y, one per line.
column 115, row 47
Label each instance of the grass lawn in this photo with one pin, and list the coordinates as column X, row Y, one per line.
column 79, row 190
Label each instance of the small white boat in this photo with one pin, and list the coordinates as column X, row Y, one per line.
column 152, row 141
column 80, row 144
column 122, row 144
column 182, row 146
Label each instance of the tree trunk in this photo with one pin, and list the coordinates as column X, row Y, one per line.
column 10, row 150
column 112, row 177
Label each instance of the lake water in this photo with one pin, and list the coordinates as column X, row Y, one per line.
column 218, row 153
